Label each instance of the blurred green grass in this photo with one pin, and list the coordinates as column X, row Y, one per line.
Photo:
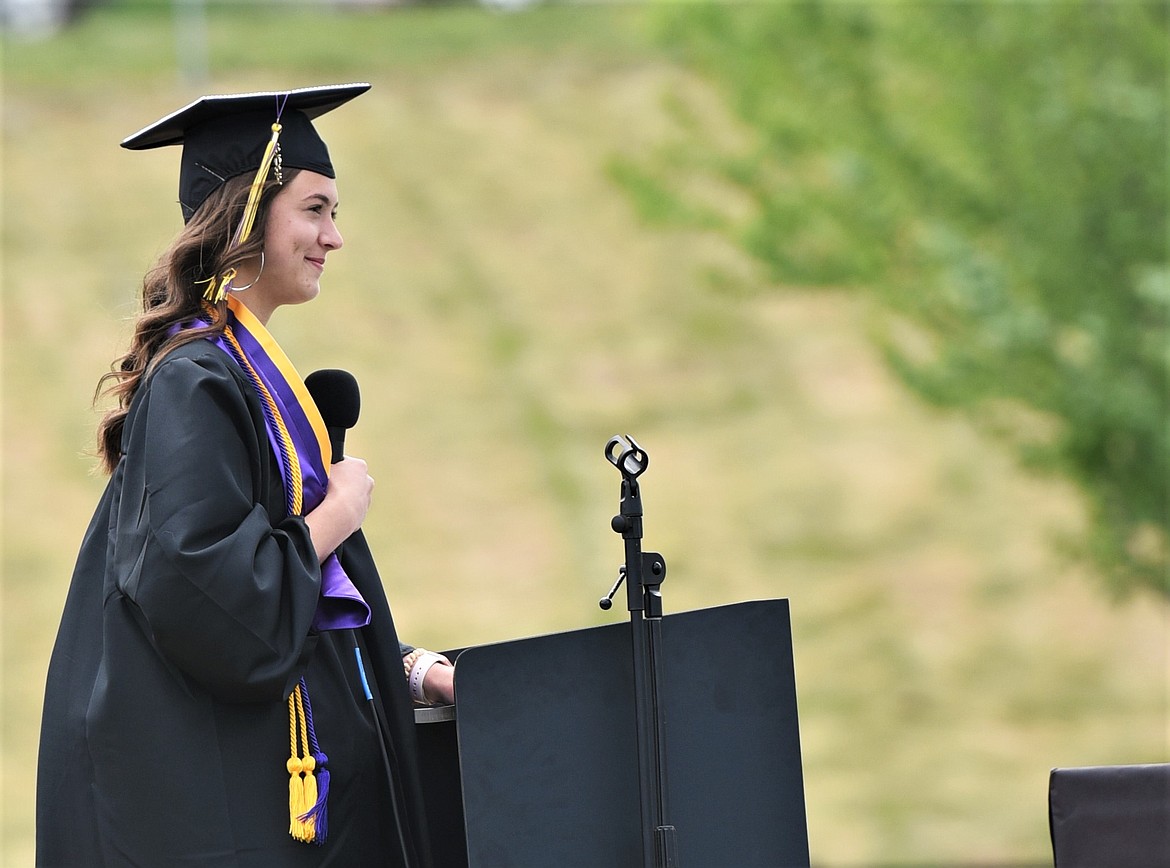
column 506, row 311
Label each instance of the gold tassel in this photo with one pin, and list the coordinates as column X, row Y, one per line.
column 308, row 823
column 300, row 771
column 215, row 294
column 296, row 798
column 257, row 187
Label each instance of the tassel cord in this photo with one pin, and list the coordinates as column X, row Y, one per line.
column 317, row 812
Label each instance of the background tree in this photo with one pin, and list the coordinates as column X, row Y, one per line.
column 996, row 175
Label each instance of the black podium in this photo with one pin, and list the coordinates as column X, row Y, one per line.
column 537, row 764
column 1110, row 815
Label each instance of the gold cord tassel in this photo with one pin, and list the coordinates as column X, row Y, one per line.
column 302, row 785
column 308, row 823
column 296, row 798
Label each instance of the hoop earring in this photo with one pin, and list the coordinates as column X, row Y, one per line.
column 255, row 279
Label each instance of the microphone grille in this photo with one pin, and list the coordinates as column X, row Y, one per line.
column 336, row 395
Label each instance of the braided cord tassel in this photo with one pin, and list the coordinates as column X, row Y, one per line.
column 317, row 815
column 308, row 778
column 296, row 770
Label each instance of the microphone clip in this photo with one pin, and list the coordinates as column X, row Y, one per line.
column 645, row 570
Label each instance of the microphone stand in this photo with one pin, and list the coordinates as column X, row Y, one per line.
column 643, row 573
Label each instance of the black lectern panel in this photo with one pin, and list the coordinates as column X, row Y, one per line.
column 548, row 749
column 733, row 742
column 548, row 753
column 1110, row 815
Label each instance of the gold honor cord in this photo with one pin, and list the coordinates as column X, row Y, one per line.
column 306, row 800
column 302, row 785
column 296, row 486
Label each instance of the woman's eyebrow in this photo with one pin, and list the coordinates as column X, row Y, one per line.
column 321, row 197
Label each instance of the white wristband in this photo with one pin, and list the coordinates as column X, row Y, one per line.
column 418, row 674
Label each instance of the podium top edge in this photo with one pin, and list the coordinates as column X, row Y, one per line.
column 434, row 714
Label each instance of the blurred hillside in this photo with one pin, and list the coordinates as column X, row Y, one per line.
column 507, row 307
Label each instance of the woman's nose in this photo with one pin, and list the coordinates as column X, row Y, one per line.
column 333, row 239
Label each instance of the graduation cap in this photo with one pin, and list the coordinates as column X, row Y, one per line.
column 231, row 134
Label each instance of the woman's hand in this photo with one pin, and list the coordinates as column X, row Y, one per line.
column 430, row 676
column 347, row 500
column 439, row 685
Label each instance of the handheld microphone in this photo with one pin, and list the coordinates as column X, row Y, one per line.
column 338, row 397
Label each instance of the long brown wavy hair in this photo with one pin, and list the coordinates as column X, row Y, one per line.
column 172, row 295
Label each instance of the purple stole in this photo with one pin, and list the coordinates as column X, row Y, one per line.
column 300, row 442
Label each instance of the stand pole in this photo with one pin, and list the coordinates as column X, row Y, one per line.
column 644, row 573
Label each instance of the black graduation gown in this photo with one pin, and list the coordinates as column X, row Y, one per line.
column 165, row 731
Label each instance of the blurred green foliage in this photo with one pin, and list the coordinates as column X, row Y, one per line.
column 996, row 174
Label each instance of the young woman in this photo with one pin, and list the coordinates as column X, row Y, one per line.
column 227, row 687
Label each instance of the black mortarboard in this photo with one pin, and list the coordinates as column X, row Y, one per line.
column 228, row 135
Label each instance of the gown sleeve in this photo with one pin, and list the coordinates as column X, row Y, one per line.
column 225, row 581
